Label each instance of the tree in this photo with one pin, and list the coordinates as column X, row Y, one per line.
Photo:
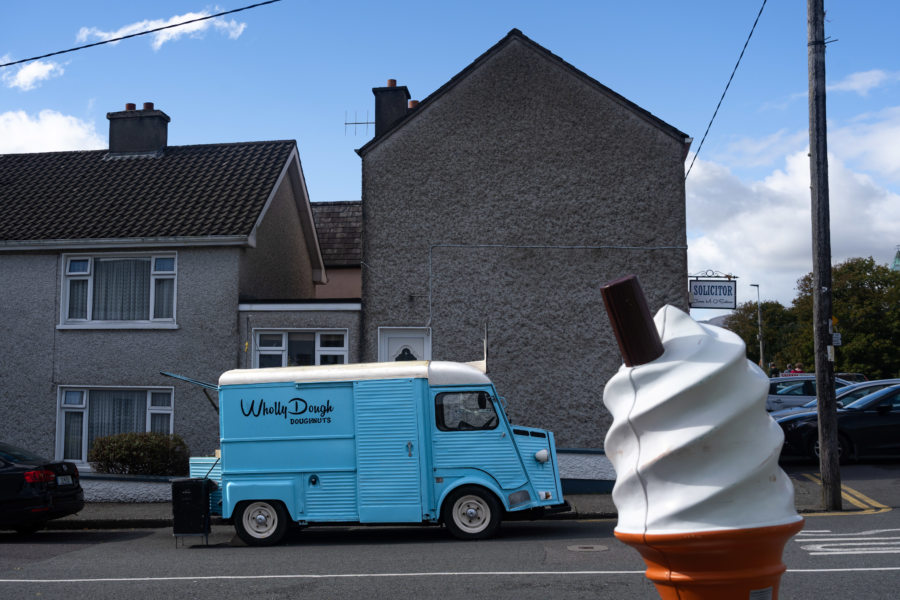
column 778, row 327
column 866, row 299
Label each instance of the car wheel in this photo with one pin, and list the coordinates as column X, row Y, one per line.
column 844, row 449
column 261, row 522
column 471, row 513
column 30, row 528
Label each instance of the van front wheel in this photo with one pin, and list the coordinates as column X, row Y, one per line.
column 471, row 513
column 261, row 522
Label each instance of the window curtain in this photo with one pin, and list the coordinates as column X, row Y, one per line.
column 122, row 289
column 78, row 292
column 115, row 411
column 73, row 431
column 159, row 422
column 164, row 299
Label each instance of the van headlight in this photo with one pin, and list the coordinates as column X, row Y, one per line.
column 542, row 456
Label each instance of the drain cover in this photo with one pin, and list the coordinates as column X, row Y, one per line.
column 587, row 548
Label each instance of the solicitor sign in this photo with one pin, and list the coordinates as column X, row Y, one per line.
column 713, row 293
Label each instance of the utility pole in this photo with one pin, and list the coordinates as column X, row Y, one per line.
column 829, row 456
column 762, row 364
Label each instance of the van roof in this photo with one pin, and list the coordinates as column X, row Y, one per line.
column 437, row 372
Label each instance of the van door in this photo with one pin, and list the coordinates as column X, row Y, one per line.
column 388, row 447
column 471, row 437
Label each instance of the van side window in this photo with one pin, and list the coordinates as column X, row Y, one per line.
column 465, row 411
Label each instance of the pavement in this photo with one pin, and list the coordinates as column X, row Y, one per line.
column 593, row 505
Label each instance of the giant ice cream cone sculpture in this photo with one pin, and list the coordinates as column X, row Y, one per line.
column 698, row 488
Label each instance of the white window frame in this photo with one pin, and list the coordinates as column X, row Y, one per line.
column 282, row 350
column 88, row 323
column 83, row 407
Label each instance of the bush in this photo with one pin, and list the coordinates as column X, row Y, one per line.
column 140, row 454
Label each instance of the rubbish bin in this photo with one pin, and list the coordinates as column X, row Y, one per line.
column 190, row 506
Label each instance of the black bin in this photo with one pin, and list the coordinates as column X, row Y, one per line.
column 190, row 505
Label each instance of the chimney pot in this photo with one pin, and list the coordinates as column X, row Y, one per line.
column 412, row 103
column 148, row 106
column 130, row 106
column 392, row 83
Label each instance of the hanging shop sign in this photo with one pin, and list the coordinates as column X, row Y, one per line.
column 713, row 293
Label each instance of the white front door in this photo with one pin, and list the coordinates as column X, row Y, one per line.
column 404, row 343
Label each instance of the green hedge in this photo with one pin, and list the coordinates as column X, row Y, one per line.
column 140, row 454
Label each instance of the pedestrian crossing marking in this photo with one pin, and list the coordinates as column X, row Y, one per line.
column 824, row 542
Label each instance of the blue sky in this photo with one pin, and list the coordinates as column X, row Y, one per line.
column 295, row 69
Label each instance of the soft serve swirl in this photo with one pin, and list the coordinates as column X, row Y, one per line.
column 691, row 442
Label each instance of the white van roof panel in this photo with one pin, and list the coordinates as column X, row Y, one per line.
column 437, row 372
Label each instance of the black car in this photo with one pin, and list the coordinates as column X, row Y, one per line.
column 867, row 428
column 34, row 490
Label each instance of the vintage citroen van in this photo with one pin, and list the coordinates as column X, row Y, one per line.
column 401, row 442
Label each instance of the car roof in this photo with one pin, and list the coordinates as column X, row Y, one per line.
column 875, row 396
column 864, row 384
column 807, row 377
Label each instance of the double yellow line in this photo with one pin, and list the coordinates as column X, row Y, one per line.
column 866, row 505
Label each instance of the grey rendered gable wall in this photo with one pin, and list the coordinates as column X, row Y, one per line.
column 523, row 152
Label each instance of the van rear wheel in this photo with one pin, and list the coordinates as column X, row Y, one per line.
column 471, row 513
column 260, row 522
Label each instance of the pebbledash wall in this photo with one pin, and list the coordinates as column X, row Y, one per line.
column 508, row 197
column 204, row 345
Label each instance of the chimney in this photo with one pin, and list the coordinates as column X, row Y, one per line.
column 133, row 131
column 390, row 105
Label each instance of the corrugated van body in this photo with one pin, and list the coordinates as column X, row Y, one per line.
column 293, row 443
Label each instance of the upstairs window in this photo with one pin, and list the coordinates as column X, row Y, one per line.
column 117, row 290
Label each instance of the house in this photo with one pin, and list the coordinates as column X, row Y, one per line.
column 119, row 264
column 500, row 203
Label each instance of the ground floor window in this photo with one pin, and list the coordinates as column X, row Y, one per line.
column 299, row 348
column 85, row 414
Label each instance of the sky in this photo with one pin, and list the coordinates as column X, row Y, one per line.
column 300, row 70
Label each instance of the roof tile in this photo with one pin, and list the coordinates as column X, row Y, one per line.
column 188, row 191
column 339, row 229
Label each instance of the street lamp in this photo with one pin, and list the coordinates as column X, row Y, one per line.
column 759, row 324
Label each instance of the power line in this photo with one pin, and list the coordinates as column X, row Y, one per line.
column 703, row 139
column 125, row 37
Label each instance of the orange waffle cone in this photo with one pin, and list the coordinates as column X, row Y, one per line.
column 738, row 564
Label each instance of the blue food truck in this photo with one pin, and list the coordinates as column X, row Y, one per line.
column 400, row 442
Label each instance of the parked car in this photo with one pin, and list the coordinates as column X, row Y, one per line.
column 34, row 490
column 794, row 390
column 867, row 428
column 844, row 395
column 852, row 377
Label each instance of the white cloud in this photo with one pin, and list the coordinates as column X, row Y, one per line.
column 29, row 75
column 764, row 151
column 49, row 131
column 231, row 28
column 870, row 142
column 761, row 231
column 864, row 81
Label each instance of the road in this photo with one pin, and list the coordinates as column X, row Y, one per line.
column 853, row 555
